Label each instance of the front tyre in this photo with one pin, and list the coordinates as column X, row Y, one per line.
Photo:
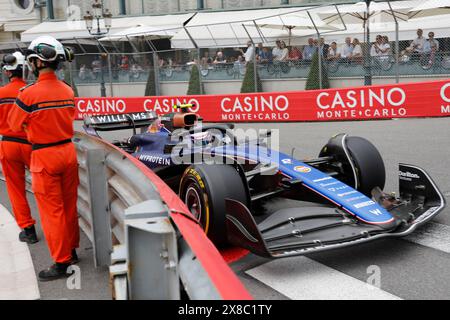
column 357, row 161
column 204, row 188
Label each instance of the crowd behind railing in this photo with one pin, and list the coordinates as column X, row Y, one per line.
column 418, row 56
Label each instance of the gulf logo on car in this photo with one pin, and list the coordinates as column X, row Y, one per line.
column 302, row 169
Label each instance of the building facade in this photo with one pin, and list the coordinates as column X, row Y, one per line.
column 17, row 16
column 139, row 7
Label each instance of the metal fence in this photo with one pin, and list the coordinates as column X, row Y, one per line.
column 224, row 64
column 86, row 69
column 427, row 64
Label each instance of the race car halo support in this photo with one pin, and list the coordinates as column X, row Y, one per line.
column 46, row 110
column 15, row 150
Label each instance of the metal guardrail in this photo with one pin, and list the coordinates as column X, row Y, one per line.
column 140, row 229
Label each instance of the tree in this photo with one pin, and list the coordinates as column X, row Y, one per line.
column 194, row 82
column 150, row 87
column 248, row 84
column 313, row 81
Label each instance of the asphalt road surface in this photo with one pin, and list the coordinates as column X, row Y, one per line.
column 94, row 283
column 417, row 267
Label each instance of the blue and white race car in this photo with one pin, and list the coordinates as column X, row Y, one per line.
column 225, row 182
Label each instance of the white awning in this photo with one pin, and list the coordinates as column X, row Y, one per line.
column 430, row 8
column 77, row 29
column 378, row 11
column 143, row 30
column 407, row 29
column 234, row 28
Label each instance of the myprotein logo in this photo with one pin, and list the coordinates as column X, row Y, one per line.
column 362, row 103
column 255, row 107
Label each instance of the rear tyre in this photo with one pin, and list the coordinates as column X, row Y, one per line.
column 204, row 189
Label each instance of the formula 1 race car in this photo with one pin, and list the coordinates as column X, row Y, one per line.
column 226, row 181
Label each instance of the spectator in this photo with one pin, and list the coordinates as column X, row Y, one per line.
column 284, row 51
column 136, row 70
column 377, row 47
column 333, row 53
column 346, row 49
column 206, row 59
column 277, row 52
column 96, row 65
column 309, row 50
column 83, row 74
column 239, row 63
column 124, row 63
column 294, row 54
column 430, row 48
column 324, row 47
column 220, row 58
column 357, row 53
column 259, row 50
column 248, row 54
column 161, row 62
column 265, row 56
column 416, row 45
column 431, row 45
column 386, row 47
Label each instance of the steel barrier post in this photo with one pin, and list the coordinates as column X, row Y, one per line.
column 98, row 193
column 199, row 65
column 152, row 253
column 110, row 76
column 156, row 73
column 193, row 276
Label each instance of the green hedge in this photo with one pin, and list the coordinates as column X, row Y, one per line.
column 248, row 84
column 313, row 81
column 194, row 82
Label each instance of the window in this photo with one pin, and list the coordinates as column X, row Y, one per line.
column 23, row 6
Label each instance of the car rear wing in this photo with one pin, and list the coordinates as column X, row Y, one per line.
column 123, row 121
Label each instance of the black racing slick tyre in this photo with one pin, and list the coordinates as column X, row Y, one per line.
column 368, row 163
column 358, row 162
column 204, row 188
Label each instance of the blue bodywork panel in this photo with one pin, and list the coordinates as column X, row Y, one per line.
column 151, row 153
column 336, row 191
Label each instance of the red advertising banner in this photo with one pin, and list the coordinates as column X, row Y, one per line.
column 424, row 99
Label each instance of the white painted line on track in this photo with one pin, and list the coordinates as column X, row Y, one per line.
column 433, row 235
column 17, row 276
column 301, row 278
